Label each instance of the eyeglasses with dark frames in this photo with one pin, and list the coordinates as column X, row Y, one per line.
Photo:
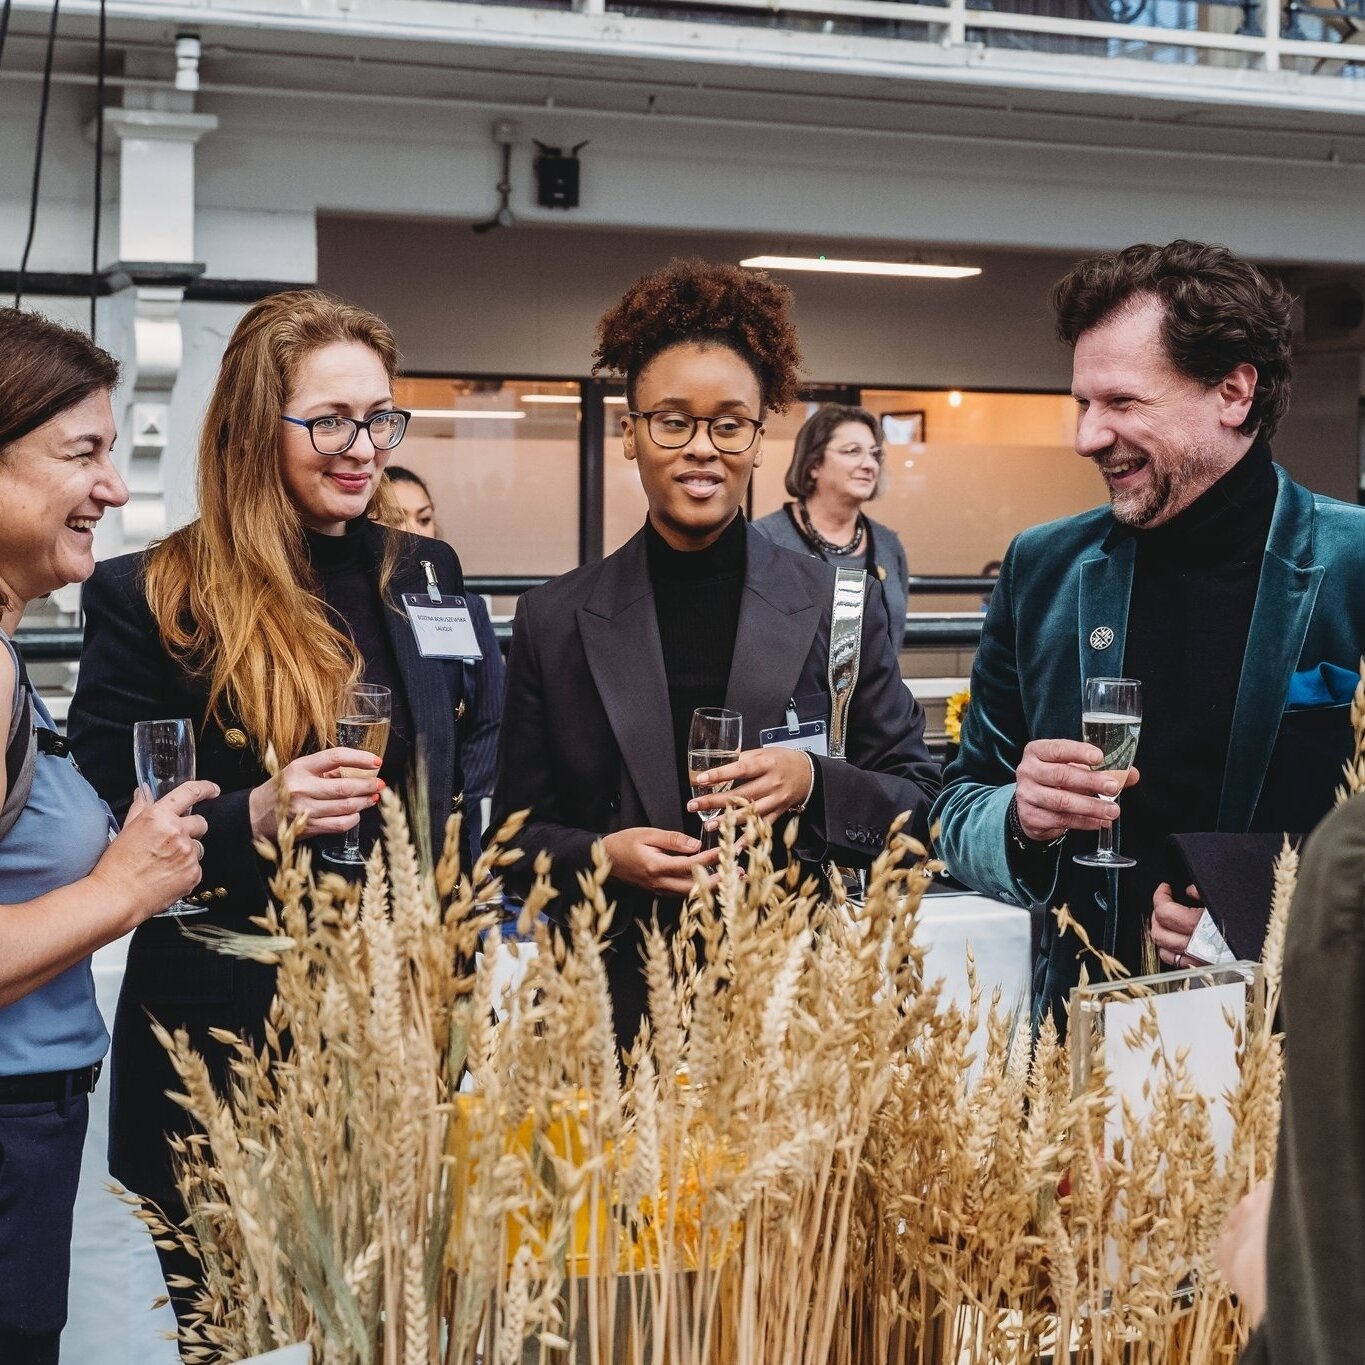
column 335, row 435
column 672, row 430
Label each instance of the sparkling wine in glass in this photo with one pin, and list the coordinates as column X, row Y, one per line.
column 163, row 757
column 715, row 739
column 364, row 724
column 1111, row 721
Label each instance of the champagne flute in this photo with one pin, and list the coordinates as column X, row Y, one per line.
column 364, row 724
column 163, row 757
column 714, row 740
column 1111, row 721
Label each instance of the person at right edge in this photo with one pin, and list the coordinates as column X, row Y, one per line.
column 1230, row 592
column 698, row 609
column 1310, row 1308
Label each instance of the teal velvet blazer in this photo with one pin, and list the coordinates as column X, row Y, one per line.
column 1061, row 582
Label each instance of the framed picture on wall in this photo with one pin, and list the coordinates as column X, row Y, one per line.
column 904, row 428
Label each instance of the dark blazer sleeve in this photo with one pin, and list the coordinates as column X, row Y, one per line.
column 125, row 676
column 485, row 682
column 1315, row 1302
column 888, row 769
column 524, row 781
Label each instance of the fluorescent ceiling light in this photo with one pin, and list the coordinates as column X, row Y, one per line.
column 477, row 414
column 614, row 398
column 550, row 398
column 832, row 266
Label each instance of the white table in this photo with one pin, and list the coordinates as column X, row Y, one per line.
column 114, row 1270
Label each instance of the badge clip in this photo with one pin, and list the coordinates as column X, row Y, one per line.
column 433, row 588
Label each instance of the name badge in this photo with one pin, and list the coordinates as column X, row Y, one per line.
column 811, row 738
column 442, row 627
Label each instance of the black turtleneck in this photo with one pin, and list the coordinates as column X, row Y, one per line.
column 1194, row 587
column 696, row 599
column 350, row 592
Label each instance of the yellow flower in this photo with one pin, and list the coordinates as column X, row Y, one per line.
column 953, row 713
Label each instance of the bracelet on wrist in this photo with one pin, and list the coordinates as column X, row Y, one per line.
column 810, row 791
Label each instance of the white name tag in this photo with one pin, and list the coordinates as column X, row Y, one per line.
column 811, row 738
column 444, row 631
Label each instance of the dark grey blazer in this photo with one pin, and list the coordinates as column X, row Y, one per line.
column 587, row 739
column 887, row 552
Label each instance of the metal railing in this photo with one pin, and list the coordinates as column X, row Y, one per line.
column 939, row 630
column 1269, row 36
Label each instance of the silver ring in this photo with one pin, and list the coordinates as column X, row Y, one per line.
column 199, row 850
column 1180, row 959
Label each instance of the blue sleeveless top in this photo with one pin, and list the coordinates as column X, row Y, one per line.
column 58, row 838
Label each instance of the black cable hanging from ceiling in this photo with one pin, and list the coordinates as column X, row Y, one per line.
column 38, row 153
column 99, row 168
column 4, row 27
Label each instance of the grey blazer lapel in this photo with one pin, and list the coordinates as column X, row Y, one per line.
column 620, row 634
column 1285, row 597
column 777, row 625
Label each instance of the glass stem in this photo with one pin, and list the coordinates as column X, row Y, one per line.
column 350, row 849
column 1105, row 846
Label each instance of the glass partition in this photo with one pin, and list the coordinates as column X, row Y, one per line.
column 501, row 458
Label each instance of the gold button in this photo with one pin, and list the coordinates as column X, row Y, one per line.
column 220, row 891
column 235, row 738
column 459, row 711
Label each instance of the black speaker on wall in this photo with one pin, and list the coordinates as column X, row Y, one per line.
column 557, row 176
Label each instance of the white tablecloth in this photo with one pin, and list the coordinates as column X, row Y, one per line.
column 114, row 1270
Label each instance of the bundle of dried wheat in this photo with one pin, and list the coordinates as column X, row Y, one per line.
column 809, row 1156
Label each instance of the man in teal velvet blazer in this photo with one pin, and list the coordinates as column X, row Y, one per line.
column 1236, row 596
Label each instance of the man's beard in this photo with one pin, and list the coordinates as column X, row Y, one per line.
column 1171, row 484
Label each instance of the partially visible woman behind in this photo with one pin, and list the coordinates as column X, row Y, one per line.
column 252, row 621
column 65, row 888
column 836, row 467
column 486, row 678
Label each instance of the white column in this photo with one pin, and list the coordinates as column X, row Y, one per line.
column 157, row 253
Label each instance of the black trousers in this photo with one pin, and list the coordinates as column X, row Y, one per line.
column 40, row 1167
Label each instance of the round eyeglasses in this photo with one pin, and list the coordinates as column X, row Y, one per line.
column 729, row 434
column 335, row 435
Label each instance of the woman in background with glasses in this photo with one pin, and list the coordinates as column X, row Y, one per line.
column 836, row 467
column 698, row 610
column 253, row 621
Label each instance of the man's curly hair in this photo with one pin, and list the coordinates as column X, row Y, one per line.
column 1220, row 312
column 698, row 301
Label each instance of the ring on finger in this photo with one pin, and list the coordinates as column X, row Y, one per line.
column 199, row 850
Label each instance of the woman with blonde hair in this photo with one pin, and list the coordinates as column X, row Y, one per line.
column 254, row 621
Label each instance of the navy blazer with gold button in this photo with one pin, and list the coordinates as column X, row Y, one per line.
column 127, row 676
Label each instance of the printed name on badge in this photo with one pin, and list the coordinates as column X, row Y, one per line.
column 444, row 630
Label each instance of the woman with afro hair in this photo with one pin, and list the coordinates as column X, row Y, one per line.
column 696, row 610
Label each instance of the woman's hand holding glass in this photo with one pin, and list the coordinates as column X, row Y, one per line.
column 313, row 787
column 775, row 780
column 154, row 859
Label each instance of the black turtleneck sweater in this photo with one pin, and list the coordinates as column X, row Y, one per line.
column 1194, row 588
column 350, row 593
column 696, row 599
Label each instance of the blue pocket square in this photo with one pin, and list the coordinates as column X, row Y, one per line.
column 1323, row 685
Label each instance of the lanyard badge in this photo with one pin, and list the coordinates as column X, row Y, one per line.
column 441, row 624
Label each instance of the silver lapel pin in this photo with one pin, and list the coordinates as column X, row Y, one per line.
column 1101, row 637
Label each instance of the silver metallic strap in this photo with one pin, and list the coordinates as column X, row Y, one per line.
column 845, row 652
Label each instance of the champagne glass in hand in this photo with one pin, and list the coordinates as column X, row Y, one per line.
column 1111, row 721
column 364, row 724
column 715, row 739
column 163, row 757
